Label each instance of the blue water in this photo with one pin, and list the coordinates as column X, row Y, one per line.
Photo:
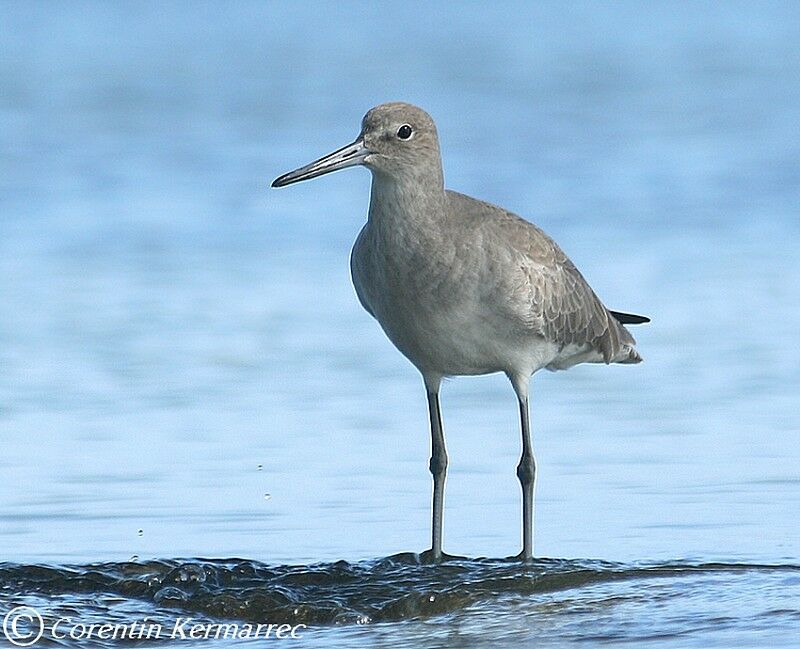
column 185, row 370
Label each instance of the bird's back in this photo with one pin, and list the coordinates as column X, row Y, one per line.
column 534, row 282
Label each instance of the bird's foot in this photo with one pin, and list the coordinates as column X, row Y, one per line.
column 522, row 557
column 429, row 556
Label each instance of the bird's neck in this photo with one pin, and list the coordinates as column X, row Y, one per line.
column 410, row 205
column 407, row 231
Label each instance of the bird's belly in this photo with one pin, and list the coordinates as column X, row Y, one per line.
column 454, row 342
column 441, row 323
column 442, row 344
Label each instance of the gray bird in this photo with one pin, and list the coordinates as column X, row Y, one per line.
column 463, row 287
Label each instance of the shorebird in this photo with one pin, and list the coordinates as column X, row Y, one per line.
column 463, row 287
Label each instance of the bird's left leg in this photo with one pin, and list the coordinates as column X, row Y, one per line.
column 438, row 467
column 526, row 469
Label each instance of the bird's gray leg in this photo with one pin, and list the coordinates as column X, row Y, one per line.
column 438, row 467
column 526, row 469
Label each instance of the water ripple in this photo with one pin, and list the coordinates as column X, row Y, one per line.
column 399, row 587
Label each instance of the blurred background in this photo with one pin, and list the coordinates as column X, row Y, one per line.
column 185, row 369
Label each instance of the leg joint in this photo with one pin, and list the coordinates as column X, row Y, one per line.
column 526, row 469
column 438, row 464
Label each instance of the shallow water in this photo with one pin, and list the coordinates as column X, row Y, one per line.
column 402, row 600
column 186, row 372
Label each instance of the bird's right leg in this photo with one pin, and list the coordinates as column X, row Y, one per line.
column 526, row 469
column 438, row 467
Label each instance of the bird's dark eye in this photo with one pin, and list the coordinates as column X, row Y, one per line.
column 404, row 132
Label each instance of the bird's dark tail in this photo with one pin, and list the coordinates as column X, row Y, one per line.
column 629, row 318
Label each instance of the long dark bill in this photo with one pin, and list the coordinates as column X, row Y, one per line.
column 348, row 156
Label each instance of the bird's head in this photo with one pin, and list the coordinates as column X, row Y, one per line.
column 397, row 140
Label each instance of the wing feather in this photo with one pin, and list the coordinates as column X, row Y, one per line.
column 549, row 295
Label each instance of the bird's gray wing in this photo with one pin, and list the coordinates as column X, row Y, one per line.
column 545, row 292
column 568, row 311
